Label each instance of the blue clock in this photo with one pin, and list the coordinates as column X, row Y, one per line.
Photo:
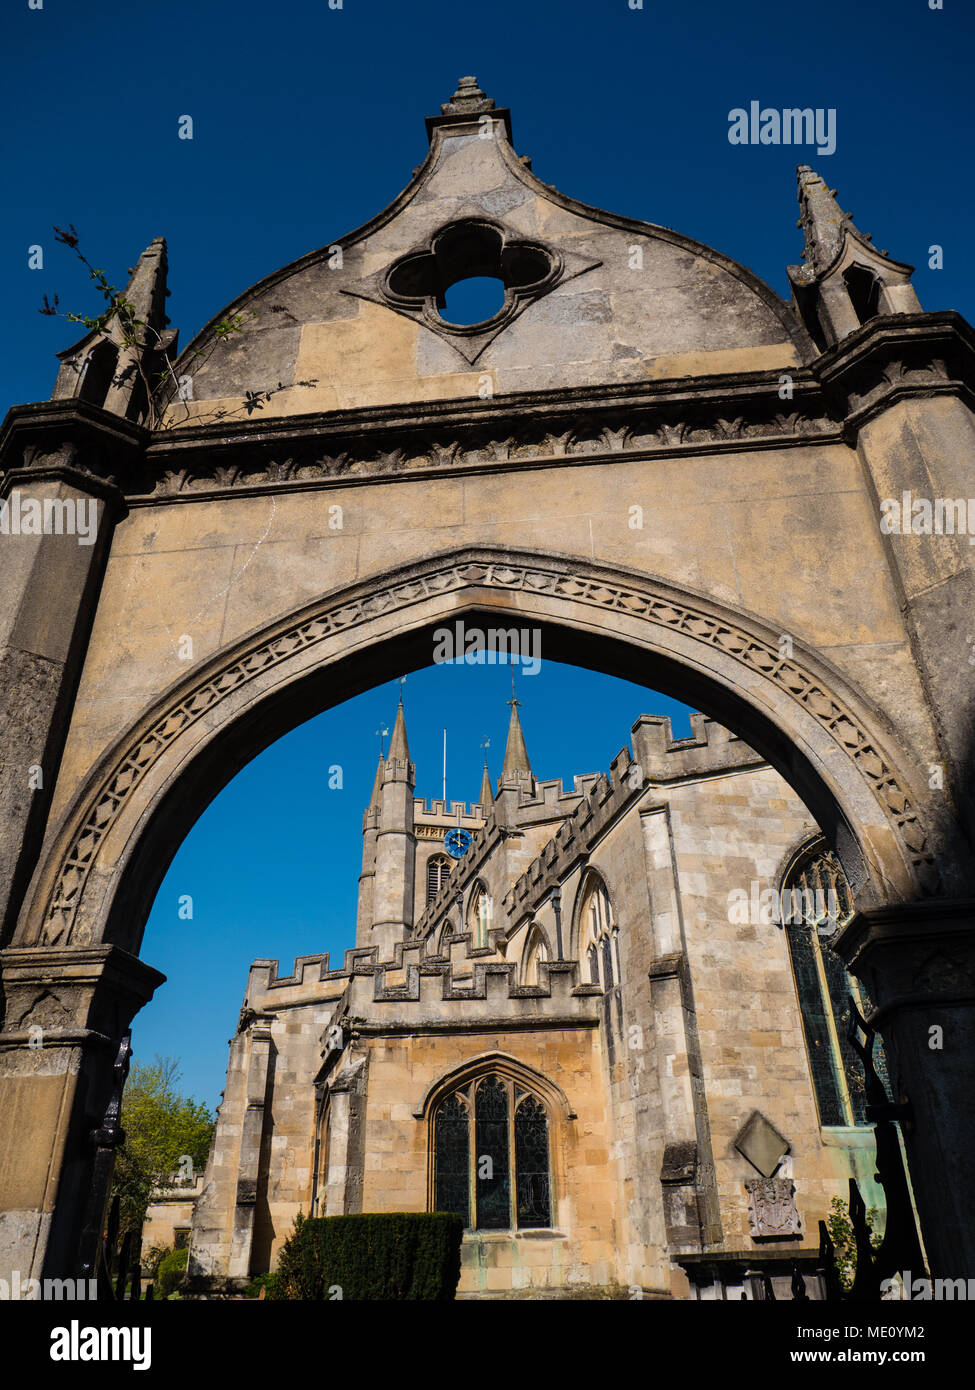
column 457, row 842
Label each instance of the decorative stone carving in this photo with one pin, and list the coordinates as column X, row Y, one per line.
column 704, row 425
column 415, row 283
column 772, row 1211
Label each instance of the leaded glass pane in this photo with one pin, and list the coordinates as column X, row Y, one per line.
column 452, row 1158
column 818, row 903
column 813, row 1009
column 840, row 986
column 531, row 1164
column 491, row 1175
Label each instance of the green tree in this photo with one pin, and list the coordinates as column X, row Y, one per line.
column 167, row 1139
column 840, row 1228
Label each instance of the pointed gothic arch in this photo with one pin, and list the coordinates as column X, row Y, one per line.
column 479, row 916
column 481, row 1065
column 595, row 932
column 536, row 951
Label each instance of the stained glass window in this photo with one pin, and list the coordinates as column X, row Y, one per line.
column 476, row 1131
column 491, row 1155
column 452, row 1163
column 531, row 1163
column 816, row 905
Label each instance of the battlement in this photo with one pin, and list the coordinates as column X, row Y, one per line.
column 608, row 797
column 428, row 987
column 424, row 985
column 454, row 812
column 711, row 748
column 547, row 799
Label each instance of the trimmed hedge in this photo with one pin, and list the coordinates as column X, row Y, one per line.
column 383, row 1255
column 170, row 1273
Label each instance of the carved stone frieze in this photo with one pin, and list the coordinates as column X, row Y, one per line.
column 527, row 440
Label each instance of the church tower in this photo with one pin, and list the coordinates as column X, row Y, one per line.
column 392, row 892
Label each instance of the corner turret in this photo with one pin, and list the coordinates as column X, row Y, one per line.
column 844, row 281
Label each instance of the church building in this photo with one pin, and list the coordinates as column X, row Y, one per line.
column 604, row 1025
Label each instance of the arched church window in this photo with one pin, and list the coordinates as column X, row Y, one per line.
column 438, row 867
column 816, row 905
column 535, row 952
column 491, row 1156
column 479, row 916
column 599, row 937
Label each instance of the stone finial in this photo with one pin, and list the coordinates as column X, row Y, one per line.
column 824, row 224
column 467, row 100
column 146, row 290
column 468, row 104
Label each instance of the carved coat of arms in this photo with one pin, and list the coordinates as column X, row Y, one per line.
column 772, row 1207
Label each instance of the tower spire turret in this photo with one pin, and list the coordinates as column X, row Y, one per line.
column 466, row 111
column 486, row 797
column 375, row 799
column 516, row 771
column 844, row 280
column 399, row 748
column 395, row 844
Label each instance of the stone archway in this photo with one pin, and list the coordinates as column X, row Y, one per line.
column 755, row 443
column 837, row 755
column 74, row 950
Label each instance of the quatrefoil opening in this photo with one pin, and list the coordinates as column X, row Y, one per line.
column 416, row 284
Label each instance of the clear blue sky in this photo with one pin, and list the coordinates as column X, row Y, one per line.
column 307, row 121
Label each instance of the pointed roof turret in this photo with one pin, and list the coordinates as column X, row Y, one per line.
column 486, row 798
column 843, row 281
column 377, row 787
column 399, row 749
column 143, row 332
column 516, row 771
column 824, row 224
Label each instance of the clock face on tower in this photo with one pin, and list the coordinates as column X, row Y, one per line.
column 457, row 842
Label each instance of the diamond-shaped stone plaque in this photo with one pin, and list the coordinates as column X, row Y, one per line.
column 761, row 1143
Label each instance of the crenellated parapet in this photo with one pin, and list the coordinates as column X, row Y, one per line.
column 457, row 812
column 657, row 759
column 464, row 991
column 711, row 749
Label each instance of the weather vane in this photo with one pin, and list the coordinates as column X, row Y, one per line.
column 382, row 731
